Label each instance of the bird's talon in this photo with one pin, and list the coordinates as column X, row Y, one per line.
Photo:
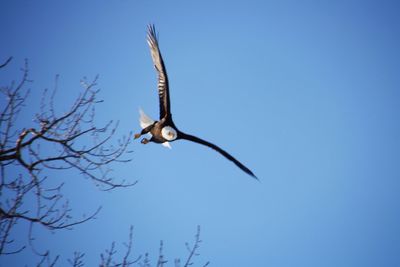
column 137, row 136
column 144, row 141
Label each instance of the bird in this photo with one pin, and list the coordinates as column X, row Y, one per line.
column 164, row 130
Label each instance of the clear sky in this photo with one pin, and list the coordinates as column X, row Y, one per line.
column 305, row 93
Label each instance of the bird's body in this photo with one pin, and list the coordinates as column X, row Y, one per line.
column 164, row 130
column 156, row 133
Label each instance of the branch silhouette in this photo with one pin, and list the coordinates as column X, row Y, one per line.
column 55, row 142
column 68, row 142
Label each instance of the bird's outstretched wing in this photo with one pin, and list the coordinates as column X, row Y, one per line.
column 195, row 139
column 163, row 91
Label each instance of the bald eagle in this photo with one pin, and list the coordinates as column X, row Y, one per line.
column 164, row 131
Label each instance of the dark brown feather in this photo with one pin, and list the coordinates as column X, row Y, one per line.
column 195, row 139
column 163, row 90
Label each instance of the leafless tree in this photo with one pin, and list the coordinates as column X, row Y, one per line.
column 70, row 140
column 55, row 142
column 109, row 258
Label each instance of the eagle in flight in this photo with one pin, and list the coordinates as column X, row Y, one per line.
column 164, row 131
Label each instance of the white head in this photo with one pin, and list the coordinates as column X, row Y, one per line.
column 169, row 133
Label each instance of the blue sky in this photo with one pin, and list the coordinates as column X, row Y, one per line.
column 305, row 93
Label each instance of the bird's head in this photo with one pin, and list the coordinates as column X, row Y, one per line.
column 169, row 133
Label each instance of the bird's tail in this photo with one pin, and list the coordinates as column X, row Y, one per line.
column 144, row 120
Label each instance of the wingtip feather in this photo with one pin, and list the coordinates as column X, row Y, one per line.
column 255, row 177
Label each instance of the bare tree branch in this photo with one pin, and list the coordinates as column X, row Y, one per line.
column 161, row 261
column 77, row 260
column 5, row 63
column 193, row 250
column 108, row 259
column 56, row 141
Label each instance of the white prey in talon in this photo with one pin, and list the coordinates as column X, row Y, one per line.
column 164, row 130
